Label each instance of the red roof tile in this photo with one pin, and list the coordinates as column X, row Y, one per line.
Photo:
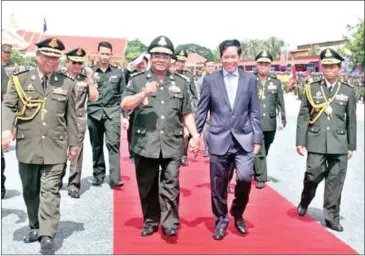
column 90, row 44
column 194, row 58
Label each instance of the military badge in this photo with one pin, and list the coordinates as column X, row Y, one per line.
column 33, row 77
column 174, row 88
column 30, row 87
column 79, row 52
column 328, row 53
column 60, row 91
column 56, row 78
column 53, row 43
column 162, row 41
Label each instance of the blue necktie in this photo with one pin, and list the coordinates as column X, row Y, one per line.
column 44, row 82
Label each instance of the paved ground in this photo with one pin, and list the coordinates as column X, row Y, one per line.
column 87, row 224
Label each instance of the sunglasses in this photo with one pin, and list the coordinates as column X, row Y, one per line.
column 77, row 63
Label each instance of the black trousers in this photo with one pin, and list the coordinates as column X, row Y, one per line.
column 332, row 168
column 3, row 178
column 159, row 190
column 260, row 166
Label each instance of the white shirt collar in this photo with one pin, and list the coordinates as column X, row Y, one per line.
column 329, row 84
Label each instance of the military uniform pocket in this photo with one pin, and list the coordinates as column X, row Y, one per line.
column 57, row 104
column 176, row 102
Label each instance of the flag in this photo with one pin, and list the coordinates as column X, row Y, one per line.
column 44, row 25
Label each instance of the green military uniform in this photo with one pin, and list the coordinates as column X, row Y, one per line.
column 4, row 83
column 326, row 126
column 103, row 117
column 182, row 56
column 82, row 92
column 9, row 66
column 272, row 102
column 46, row 127
column 157, row 140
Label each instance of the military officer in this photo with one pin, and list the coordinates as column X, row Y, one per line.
column 272, row 101
column 181, row 57
column 326, row 129
column 162, row 108
column 104, row 117
column 43, row 102
column 6, row 61
column 85, row 89
column 4, row 83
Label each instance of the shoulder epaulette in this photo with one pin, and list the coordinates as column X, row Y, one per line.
column 137, row 74
column 66, row 75
column 182, row 76
column 348, row 84
column 20, row 72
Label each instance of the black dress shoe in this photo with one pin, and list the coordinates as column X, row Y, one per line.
column 149, row 230
column 97, row 181
column 170, row 231
column 240, row 225
column 116, row 184
column 333, row 226
column 301, row 211
column 260, row 185
column 74, row 193
column 219, row 233
column 31, row 237
column 46, row 243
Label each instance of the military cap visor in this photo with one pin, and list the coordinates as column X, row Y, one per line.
column 330, row 56
column 6, row 47
column 51, row 47
column 182, row 55
column 161, row 44
column 264, row 60
column 76, row 55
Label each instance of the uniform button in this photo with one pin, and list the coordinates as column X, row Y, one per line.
column 44, row 124
column 264, row 114
column 139, row 131
column 161, row 88
column 341, row 103
column 264, row 105
column 22, row 136
column 161, row 132
column 43, row 136
column 162, row 102
column 162, row 117
column 45, row 98
column 328, row 128
column 61, row 137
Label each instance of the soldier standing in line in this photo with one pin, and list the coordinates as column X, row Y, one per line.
column 161, row 105
column 85, row 88
column 181, row 58
column 43, row 102
column 104, row 117
column 326, row 129
column 272, row 100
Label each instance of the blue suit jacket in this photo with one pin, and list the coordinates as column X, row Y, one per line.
column 243, row 121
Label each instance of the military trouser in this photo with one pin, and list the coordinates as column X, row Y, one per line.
column 159, row 191
column 260, row 166
column 42, row 196
column 74, row 177
column 3, row 178
column 111, row 129
column 332, row 168
column 129, row 137
column 186, row 145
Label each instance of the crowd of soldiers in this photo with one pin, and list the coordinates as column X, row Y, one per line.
column 164, row 111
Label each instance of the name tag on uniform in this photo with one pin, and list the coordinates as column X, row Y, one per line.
column 113, row 79
column 342, row 97
column 60, row 91
column 272, row 87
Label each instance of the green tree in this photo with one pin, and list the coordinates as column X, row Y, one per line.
column 251, row 47
column 134, row 49
column 314, row 50
column 201, row 50
column 355, row 44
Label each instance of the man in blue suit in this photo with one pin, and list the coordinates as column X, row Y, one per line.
column 235, row 134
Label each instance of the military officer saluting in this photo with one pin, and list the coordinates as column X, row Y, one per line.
column 161, row 106
column 272, row 100
column 43, row 102
column 181, row 56
column 326, row 129
column 85, row 89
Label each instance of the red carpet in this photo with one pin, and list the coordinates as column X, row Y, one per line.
column 272, row 223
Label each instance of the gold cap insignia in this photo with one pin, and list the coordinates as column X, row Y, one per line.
column 162, row 41
column 328, row 53
column 264, row 54
column 79, row 52
column 53, row 43
column 182, row 53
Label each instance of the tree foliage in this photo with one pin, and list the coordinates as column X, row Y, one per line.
column 22, row 60
column 314, row 50
column 355, row 44
column 196, row 48
column 251, row 47
column 134, row 49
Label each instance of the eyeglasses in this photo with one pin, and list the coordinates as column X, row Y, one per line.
column 77, row 63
